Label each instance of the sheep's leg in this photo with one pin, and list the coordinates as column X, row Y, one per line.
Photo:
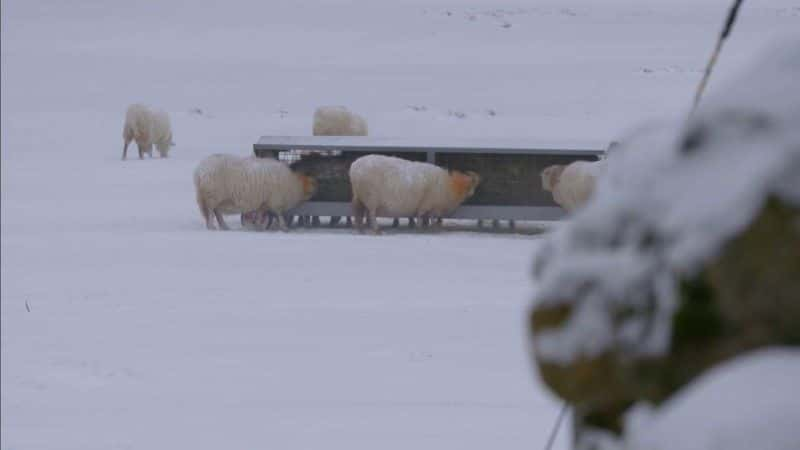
column 373, row 221
column 334, row 221
column 221, row 220
column 418, row 221
column 396, row 222
column 209, row 216
column 315, row 221
column 358, row 214
column 349, row 222
column 512, row 225
column 269, row 219
column 281, row 221
column 426, row 221
column 140, row 146
column 437, row 223
column 411, row 223
column 125, row 149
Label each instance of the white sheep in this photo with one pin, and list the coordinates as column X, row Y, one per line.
column 338, row 121
column 228, row 184
column 386, row 185
column 572, row 185
column 147, row 128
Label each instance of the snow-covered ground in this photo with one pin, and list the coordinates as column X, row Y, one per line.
column 126, row 325
column 745, row 404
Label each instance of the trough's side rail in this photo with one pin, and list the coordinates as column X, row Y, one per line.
column 430, row 146
column 271, row 146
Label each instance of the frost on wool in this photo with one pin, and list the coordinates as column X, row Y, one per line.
column 671, row 198
column 390, row 186
column 228, row 184
column 147, row 128
column 338, row 121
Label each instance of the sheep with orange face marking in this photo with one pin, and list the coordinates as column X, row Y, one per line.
column 390, row 186
column 572, row 185
column 228, row 184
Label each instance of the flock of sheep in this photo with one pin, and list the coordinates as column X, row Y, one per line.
column 261, row 190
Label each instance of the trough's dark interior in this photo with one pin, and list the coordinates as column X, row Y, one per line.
column 507, row 180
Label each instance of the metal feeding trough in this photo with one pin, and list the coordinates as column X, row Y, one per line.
column 510, row 188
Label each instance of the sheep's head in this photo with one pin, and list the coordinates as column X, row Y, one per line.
column 475, row 180
column 550, row 177
column 464, row 183
column 309, row 186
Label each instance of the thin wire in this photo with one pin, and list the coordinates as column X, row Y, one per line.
column 726, row 30
column 556, row 426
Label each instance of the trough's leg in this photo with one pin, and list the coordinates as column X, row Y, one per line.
column 480, row 224
column 334, row 221
column 411, row 223
column 315, row 221
column 496, row 224
column 307, row 221
column 395, row 222
column 221, row 220
column 512, row 225
column 349, row 222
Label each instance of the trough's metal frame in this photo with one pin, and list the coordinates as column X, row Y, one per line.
column 272, row 145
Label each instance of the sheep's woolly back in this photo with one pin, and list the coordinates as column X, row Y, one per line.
column 448, row 192
column 338, row 121
column 235, row 185
column 138, row 124
column 148, row 127
column 398, row 187
column 574, row 185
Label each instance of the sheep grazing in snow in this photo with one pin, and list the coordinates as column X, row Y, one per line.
column 338, row 121
column 147, row 128
column 386, row 185
column 228, row 184
column 572, row 185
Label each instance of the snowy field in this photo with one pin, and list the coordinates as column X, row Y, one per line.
column 127, row 325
